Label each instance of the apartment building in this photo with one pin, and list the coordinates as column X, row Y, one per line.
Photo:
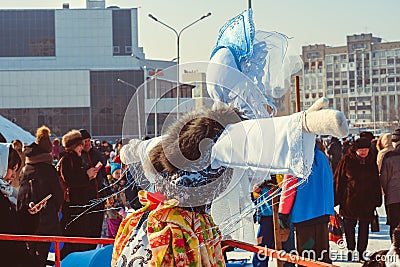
column 361, row 78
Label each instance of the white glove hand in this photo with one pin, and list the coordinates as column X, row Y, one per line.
column 320, row 121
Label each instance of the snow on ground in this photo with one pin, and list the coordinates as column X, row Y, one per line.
column 377, row 241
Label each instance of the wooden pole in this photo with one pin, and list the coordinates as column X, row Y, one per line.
column 297, row 90
column 281, row 235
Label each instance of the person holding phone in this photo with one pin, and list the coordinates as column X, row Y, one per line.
column 92, row 157
column 12, row 253
column 38, row 212
column 80, row 190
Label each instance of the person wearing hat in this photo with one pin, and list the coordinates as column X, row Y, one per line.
column 115, row 205
column 38, row 180
column 79, row 191
column 370, row 136
column 390, row 181
column 358, row 193
column 90, row 157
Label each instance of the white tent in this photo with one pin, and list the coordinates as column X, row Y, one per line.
column 11, row 131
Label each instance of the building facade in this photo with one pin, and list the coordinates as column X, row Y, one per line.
column 362, row 79
column 63, row 67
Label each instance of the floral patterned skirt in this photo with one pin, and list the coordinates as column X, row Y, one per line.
column 162, row 234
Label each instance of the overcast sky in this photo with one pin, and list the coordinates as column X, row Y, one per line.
column 307, row 21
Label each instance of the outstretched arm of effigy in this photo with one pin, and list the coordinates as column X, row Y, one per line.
column 282, row 145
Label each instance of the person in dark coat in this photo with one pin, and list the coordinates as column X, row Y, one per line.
column 39, row 179
column 90, row 157
column 334, row 152
column 79, row 191
column 358, row 193
column 12, row 253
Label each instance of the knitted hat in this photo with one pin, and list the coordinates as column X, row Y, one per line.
column 396, row 135
column 368, row 135
column 114, row 167
column 362, row 143
column 85, row 134
column 72, row 139
column 43, row 139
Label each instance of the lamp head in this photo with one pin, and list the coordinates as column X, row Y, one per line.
column 152, row 17
column 206, row 15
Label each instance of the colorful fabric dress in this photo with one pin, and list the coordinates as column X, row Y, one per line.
column 162, row 234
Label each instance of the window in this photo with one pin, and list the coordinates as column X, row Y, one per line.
column 122, row 32
column 313, row 55
column 27, row 33
column 328, row 59
column 390, row 53
column 128, row 50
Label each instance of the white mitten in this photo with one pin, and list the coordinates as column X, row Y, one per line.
column 320, row 121
column 129, row 153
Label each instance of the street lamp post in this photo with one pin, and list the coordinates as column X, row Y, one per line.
column 137, row 103
column 155, row 92
column 178, row 35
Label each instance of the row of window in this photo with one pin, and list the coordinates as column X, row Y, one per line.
column 359, row 55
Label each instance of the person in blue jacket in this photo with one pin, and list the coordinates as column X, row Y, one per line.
column 309, row 206
column 265, row 236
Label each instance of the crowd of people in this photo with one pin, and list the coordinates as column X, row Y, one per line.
column 69, row 187
column 361, row 170
column 76, row 186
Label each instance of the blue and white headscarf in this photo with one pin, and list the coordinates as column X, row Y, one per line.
column 249, row 68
